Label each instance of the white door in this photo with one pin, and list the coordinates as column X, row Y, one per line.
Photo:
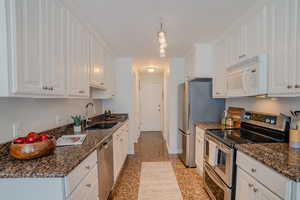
column 151, row 95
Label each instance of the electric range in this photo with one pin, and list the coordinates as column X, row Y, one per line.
column 220, row 152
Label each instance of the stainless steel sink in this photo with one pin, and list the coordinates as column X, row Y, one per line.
column 106, row 125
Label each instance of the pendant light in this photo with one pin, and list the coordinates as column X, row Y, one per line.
column 162, row 40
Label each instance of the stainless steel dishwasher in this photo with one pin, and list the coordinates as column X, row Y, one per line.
column 106, row 168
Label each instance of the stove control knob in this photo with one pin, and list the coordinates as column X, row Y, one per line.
column 268, row 120
column 272, row 121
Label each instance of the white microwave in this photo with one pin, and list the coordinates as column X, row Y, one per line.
column 248, row 78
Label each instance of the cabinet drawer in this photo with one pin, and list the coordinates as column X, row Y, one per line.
column 88, row 187
column 74, row 178
column 267, row 176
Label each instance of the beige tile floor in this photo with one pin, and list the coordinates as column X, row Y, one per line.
column 152, row 148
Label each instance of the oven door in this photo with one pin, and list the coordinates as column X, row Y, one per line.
column 215, row 187
column 222, row 156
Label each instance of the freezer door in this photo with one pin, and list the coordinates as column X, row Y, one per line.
column 188, row 145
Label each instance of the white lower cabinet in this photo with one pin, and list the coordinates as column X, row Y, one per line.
column 80, row 184
column 255, row 181
column 199, row 149
column 120, row 144
column 249, row 189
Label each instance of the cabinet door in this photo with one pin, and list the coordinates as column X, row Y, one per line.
column 116, row 154
column 197, row 150
column 234, row 46
column 280, row 80
column 97, row 64
column 256, row 33
column 26, row 47
column 262, row 193
column 78, row 59
column 53, row 37
column 201, row 154
column 244, row 186
column 297, row 48
column 221, row 62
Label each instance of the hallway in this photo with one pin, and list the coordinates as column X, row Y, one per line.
column 152, row 148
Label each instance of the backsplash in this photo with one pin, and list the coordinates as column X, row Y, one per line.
column 38, row 115
column 267, row 105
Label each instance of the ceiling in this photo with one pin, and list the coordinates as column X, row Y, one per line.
column 130, row 26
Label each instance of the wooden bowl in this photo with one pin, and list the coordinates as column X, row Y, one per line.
column 32, row 150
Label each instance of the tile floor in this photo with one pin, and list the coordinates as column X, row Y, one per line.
column 152, row 148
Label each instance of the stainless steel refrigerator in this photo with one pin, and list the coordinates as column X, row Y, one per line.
column 195, row 104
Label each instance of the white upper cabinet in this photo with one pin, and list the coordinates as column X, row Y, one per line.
column 248, row 38
column 255, row 33
column 220, row 58
column 78, row 59
column 96, row 64
column 198, row 62
column 282, row 47
column 47, row 52
column 53, row 39
column 36, row 50
column 27, row 72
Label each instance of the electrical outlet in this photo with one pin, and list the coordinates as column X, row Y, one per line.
column 58, row 120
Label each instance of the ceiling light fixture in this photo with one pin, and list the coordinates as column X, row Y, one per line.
column 162, row 41
column 151, row 70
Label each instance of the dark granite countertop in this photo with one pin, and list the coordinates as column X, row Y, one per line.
column 277, row 156
column 63, row 160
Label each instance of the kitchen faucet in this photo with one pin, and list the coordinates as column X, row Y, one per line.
column 87, row 120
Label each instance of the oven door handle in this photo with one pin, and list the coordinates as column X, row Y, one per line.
column 214, row 177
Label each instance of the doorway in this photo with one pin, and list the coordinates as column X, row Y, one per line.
column 151, row 96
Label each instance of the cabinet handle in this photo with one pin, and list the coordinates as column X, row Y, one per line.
column 88, row 185
column 255, row 190
column 297, row 86
column 250, row 185
column 87, row 167
column 253, row 170
column 217, row 92
column 289, row 86
column 81, row 92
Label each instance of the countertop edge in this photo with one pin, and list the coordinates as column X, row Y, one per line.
column 282, row 172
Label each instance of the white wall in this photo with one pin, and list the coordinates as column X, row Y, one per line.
column 38, row 114
column 175, row 77
column 268, row 105
column 124, row 99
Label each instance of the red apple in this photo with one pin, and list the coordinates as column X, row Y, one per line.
column 31, row 138
column 44, row 137
column 19, row 140
column 32, row 134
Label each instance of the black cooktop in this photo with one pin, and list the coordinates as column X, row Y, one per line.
column 243, row 136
